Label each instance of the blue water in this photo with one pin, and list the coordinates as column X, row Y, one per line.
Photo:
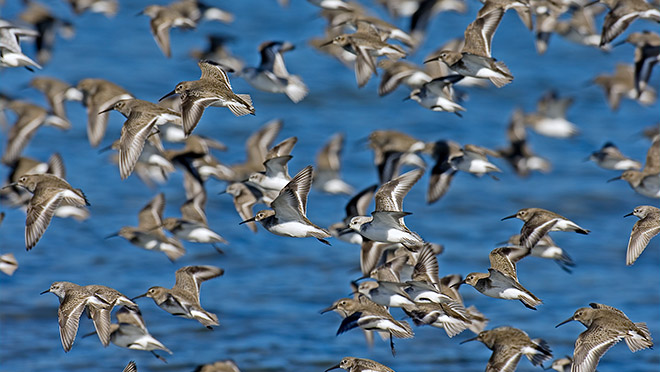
column 269, row 299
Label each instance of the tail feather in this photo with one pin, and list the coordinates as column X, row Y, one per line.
column 541, row 352
column 506, row 77
column 405, row 331
column 640, row 339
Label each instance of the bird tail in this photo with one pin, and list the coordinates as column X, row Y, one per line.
column 528, row 299
column 640, row 338
column 540, row 352
column 403, row 330
column 505, row 77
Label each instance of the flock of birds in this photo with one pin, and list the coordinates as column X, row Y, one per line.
column 399, row 267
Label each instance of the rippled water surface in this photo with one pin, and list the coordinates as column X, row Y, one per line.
column 269, row 299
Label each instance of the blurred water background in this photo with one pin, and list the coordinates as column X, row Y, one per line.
column 269, row 299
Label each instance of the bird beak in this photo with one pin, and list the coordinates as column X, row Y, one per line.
column 112, row 235
column 331, row 368
column 167, row 95
column 248, row 220
column 325, row 44
column 406, row 98
column 507, row 217
column 431, row 60
column 10, row 185
column 222, row 192
column 564, row 322
column 458, row 285
column 332, row 307
column 106, row 110
column 469, row 339
column 614, row 179
column 629, row 214
column 140, row 296
column 46, row 291
column 591, row 3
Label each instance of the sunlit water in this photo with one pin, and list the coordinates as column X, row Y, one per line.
column 269, row 299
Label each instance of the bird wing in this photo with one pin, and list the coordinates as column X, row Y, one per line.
column 292, row 199
column 389, row 196
column 134, row 133
column 151, row 215
column 212, row 70
column 641, row 235
column 591, row 345
column 532, row 231
column 357, row 206
column 503, row 359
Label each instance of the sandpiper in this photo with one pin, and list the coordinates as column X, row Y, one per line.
column 131, row 332
column 73, row 301
column 610, row 157
column 368, row 315
column 193, row 226
column 149, row 233
column 212, row 89
column 366, row 44
column 606, row 326
column 183, row 299
column 539, row 222
column 8, row 263
column 289, row 214
column 386, row 221
column 56, row 92
column 550, row 118
column 518, row 153
column 646, row 181
column 328, row 164
column 643, row 231
column 473, row 159
column 622, row 13
column 501, row 281
column 352, row 364
column 101, row 315
column 272, row 76
column 99, row 95
column 109, row 8
column 16, row 196
column 647, row 55
column 546, row 248
column 141, row 120
column 30, row 118
column 621, row 84
column 438, row 95
column 401, row 72
column 357, row 206
column 49, row 26
column 11, row 53
column 508, row 345
column 48, row 193
column 475, row 58
column 162, row 18
column 442, row 172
